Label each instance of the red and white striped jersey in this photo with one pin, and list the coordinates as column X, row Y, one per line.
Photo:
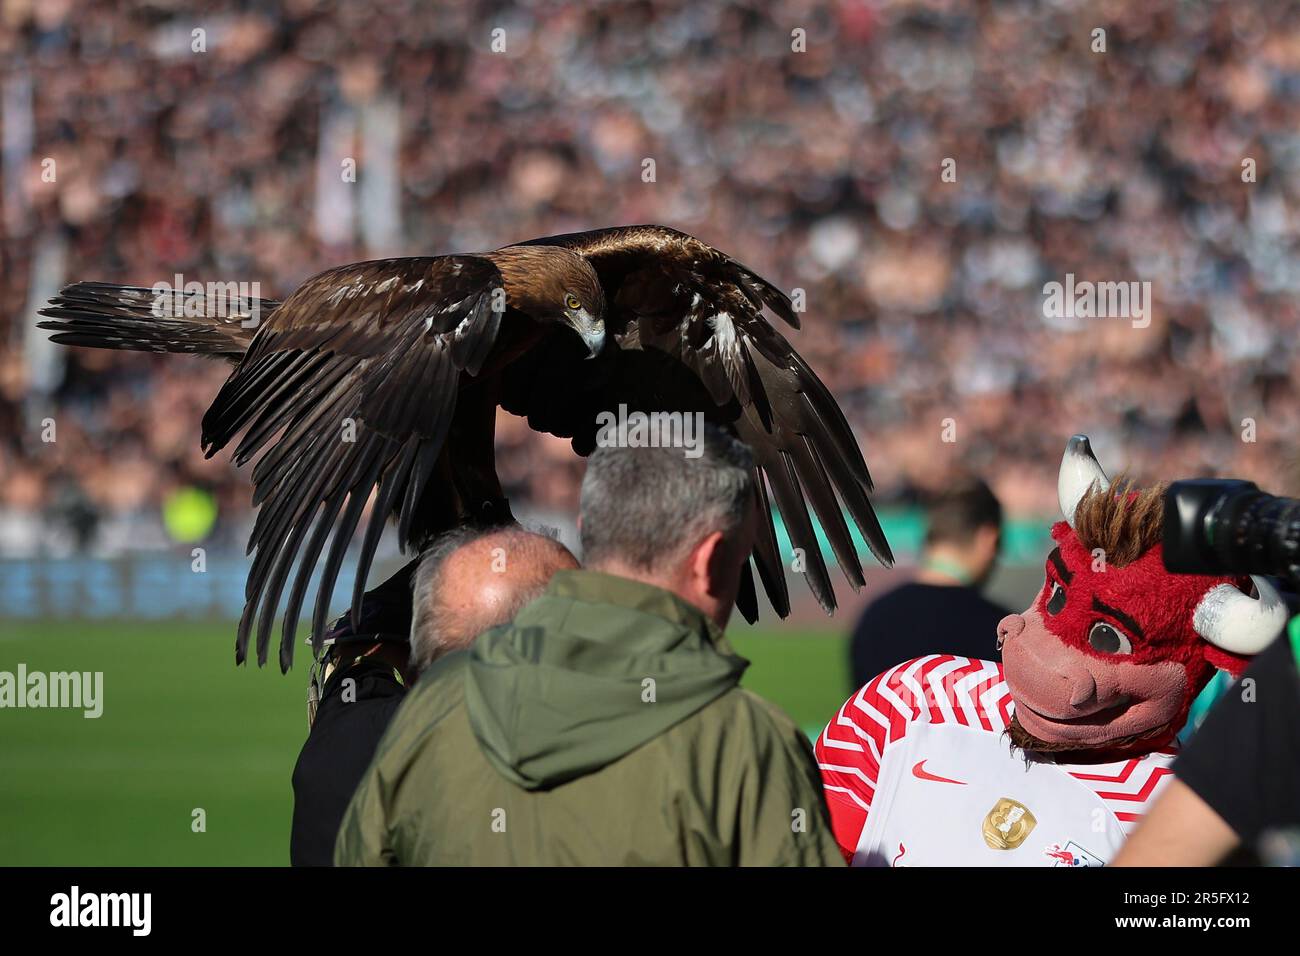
column 919, row 772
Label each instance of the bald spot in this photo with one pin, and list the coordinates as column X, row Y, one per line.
column 485, row 582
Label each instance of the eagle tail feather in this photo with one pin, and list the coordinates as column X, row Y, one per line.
column 108, row 316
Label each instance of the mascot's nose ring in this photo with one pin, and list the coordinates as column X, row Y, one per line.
column 1009, row 626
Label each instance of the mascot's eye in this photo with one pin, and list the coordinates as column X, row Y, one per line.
column 1108, row 640
column 1056, row 600
column 571, row 302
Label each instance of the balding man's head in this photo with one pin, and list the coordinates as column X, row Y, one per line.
column 473, row 579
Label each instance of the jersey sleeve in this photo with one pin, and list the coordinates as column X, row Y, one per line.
column 851, row 747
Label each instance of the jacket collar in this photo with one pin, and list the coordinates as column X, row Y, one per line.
column 596, row 587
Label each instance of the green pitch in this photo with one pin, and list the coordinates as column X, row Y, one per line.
column 183, row 730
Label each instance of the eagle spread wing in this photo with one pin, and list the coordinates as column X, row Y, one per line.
column 381, row 380
column 350, row 387
column 682, row 303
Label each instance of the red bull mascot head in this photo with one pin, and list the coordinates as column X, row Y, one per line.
column 1110, row 656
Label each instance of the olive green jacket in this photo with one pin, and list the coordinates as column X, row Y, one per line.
column 603, row 726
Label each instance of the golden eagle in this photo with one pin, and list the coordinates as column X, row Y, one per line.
column 383, row 378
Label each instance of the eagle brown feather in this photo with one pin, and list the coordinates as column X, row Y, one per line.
column 379, row 382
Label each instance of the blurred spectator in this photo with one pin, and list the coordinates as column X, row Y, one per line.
column 941, row 611
column 157, row 141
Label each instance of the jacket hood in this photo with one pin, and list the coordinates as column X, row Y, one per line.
column 588, row 672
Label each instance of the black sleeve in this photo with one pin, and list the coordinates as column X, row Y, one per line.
column 340, row 745
column 1245, row 760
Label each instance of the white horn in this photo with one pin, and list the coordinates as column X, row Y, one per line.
column 1079, row 472
column 1238, row 622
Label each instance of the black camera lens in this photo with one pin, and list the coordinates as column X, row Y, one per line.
column 1230, row 527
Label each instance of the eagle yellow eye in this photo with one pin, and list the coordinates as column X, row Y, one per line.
column 571, row 302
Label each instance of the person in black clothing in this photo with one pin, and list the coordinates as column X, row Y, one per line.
column 359, row 698
column 468, row 581
column 941, row 611
column 1239, row 776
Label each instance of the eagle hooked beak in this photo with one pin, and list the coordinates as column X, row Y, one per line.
column 591, row 330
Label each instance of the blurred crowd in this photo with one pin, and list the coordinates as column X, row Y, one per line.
column 807, row 139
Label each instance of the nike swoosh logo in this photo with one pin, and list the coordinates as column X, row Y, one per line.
column 919, row 772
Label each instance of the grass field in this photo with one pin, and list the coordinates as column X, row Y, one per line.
column 183, row 729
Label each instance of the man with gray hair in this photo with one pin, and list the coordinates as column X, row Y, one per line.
column 467, row 580
column 605, row 724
